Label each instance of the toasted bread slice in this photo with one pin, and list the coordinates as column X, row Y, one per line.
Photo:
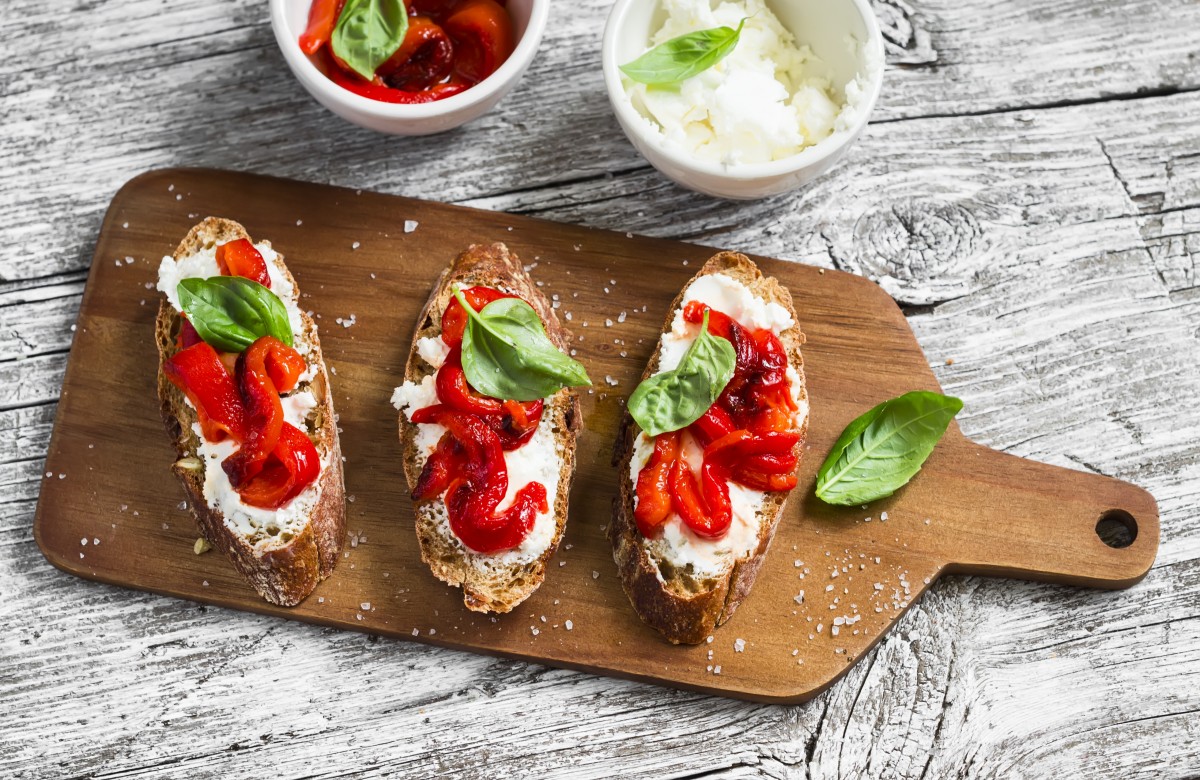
column 496, row 582
column 285, row 557
column 684, row 604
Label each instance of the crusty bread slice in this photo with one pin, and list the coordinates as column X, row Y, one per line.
column 489, row 583
column 283, row 565
column 684, row 607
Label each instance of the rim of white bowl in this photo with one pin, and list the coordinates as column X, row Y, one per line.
column 309, row 74
column 635, row 122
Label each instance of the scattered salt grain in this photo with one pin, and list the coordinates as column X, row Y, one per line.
column 595, row 575
column 356, row 245
column 366, row 605
column 800, row 597
column 410, row 225
column 739, row 645
column 570, row 626
column 717, row 668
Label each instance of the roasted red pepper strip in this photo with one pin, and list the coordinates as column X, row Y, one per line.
column 240, row 258
column 439, row 469
column 479, row 484
column 712, row 425
column 322, row 18
column 264, row 411
column 454, row 319
column 386, row 94
column 454, row 391
column 199, row 373
column 483, row 38
column 760, row 480
column 516, row 424
column 425, row 57
column 188, row 337
column 653, row 485
column 293, row 465
column 689, row 504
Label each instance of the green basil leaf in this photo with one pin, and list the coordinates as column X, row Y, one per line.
column 674, row 399
column 506, row 353
column 368, row 32
column 232, row 312
column 883, row 449
column 681, row 58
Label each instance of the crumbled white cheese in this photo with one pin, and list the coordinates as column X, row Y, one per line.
column 768, row 99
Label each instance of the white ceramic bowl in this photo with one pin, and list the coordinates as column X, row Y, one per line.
column 290, row 17
column 822, row 24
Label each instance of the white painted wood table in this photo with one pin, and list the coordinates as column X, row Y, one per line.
column 1029, row 192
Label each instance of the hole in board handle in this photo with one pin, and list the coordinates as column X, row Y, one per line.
column 1117, row 528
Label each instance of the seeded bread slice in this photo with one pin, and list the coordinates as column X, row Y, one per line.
column 682, row 605
column 283, row 564
column 488, row 582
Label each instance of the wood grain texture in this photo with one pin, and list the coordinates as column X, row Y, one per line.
column 973, row 510
column 1072, row 319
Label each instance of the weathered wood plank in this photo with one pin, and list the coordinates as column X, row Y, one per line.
column 1051, row 254
column 194, row 87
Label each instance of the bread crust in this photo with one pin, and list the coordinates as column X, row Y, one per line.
column 499, row 588
column 283, row 571
column 684, row 609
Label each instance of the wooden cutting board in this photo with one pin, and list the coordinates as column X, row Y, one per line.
column 110, row 510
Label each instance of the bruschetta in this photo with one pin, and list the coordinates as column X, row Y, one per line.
column 488, row 425
column 245, row 397
column 709, row 450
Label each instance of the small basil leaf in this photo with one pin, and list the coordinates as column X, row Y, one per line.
column 231, row 312
column 681, row 58
column 506, row 353
column 368, row 32
column 883, row 449
column 674, row 399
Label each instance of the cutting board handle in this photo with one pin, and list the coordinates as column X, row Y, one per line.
column 1036, row 521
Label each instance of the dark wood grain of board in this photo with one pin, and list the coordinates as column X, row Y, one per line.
column 835, row 579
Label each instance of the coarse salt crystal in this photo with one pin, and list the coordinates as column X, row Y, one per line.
column 739, row 645
column 410, row 225
column 570, row 626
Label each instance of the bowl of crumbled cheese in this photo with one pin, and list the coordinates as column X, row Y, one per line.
column 742, row 99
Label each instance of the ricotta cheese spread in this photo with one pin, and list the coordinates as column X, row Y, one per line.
column 677, row 543
column 768, row 99
column 261, row 526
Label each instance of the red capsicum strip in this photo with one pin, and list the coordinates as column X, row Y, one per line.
column 477, row 482
column 322, row 17
column 653, row 485
column 264, row 410
column 240, row 258
column 199, row 373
